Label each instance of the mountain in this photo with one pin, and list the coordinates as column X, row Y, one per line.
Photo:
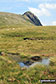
column 16, row 20
column 32, row 18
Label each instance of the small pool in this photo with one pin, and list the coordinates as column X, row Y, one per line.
column 44, row 61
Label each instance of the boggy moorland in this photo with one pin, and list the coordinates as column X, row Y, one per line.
column 14, row 48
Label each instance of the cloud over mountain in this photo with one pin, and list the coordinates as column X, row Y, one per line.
column 43, row 9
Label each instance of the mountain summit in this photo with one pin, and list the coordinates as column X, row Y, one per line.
column 16, row 20
column 32, row 18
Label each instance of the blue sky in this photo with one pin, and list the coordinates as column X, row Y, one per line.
column 45, row 10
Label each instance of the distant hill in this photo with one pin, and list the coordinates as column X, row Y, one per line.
column 32, row 18
column 16, row 20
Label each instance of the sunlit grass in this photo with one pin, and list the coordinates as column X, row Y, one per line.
column 12, row 41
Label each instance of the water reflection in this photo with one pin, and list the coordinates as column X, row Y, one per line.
column 44, row 61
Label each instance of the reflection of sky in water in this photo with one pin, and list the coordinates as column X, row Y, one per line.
column 44, row 61
column 22, row 64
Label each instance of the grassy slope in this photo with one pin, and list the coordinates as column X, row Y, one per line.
column 11, row 40
column 12, row 20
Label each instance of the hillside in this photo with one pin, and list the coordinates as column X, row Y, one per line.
column 14, row 48
column 16, row 20
column 32, row 18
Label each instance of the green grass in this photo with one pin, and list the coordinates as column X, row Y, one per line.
column 12, row 41
column 12, row 20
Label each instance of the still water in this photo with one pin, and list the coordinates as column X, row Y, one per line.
column 44, row 61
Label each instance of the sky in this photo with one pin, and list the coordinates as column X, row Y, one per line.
column 45, row 10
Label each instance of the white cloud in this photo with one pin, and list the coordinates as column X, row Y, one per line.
column 48, row 6
column 39, row 12
column 43, row 9
column 54, row 23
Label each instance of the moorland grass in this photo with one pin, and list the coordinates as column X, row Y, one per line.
column 12, row 41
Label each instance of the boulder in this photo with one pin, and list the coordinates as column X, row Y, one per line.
column 2, row 53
